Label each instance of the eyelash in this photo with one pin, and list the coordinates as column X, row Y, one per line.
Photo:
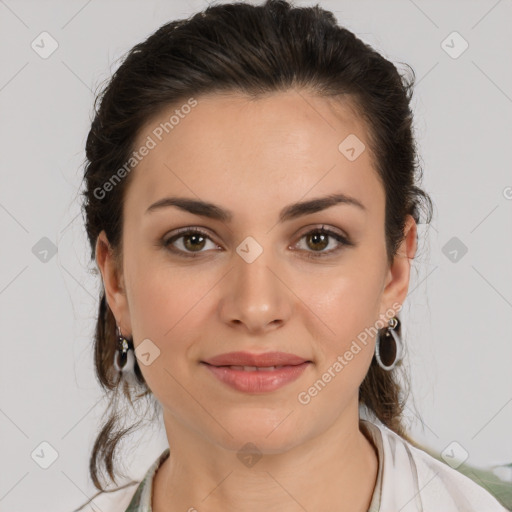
column 181, row 233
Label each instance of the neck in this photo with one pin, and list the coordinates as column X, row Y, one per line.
column 335, row 469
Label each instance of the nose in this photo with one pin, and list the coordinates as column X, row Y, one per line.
column 255, row 298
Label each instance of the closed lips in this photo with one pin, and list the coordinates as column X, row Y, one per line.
column 256, row 373
column 253, row 361
column 253, row 368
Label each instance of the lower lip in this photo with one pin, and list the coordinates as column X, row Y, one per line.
column 257, row 381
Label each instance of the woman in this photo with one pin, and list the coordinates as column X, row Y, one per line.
column 251, row 200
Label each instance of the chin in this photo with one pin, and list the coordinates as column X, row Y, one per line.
column 269, row 431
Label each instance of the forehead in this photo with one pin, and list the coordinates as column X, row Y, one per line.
column 275, row 148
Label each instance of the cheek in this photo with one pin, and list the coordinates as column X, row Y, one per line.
column 345, row 344
column 346, row 307
column 345, row 301
column 166, row 308
column 162, row 302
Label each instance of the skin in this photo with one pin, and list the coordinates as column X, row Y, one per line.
column 257, row 157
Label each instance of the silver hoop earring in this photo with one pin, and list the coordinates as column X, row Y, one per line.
column 124, row 358
column 389, row 347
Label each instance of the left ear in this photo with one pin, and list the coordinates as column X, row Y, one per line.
column 397, row 283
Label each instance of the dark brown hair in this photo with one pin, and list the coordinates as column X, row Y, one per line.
column 255, row 50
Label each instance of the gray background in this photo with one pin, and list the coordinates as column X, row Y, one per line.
column 456, row 318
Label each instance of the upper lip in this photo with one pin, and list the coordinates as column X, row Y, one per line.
column 253, row 359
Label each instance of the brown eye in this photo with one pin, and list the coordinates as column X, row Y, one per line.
column 188, row 241
column 317, row 240
column 193, row 242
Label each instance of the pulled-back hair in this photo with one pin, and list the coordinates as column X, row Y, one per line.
column 255, row 50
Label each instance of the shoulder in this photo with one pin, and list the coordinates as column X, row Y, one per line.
column 114, row 501
column 413, row 481
column 132, row 497
column 445, row 484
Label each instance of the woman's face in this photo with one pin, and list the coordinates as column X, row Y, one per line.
column 263, row 278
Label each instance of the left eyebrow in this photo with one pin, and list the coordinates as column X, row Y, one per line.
column 290, row 212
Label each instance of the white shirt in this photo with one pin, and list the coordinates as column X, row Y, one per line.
column 411, row 480
column 408, row 480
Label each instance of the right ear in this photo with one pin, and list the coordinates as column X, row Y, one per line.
column 113, row 282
